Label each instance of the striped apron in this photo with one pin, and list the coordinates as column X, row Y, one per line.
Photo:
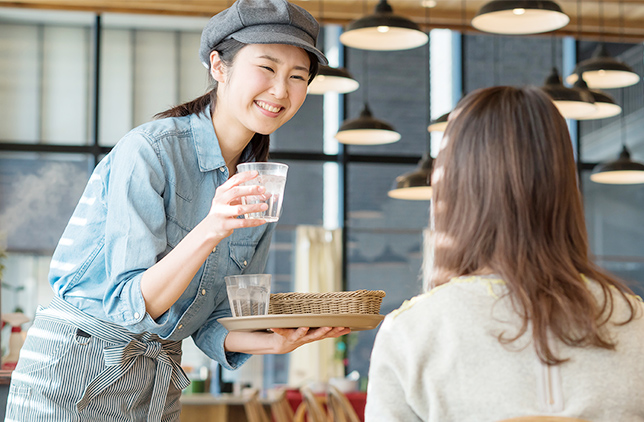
column 74, row 367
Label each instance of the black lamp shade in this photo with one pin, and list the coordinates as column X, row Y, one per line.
column 573, row 103
column 366, row 130
column 622, row 171
column 333, row 79
column 383, row 31
column 520, row 17
column 438, row 125
column 603, row 71
column 415, row 185
column 605, row 106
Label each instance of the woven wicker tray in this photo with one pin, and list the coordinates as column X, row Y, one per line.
column 366, row 302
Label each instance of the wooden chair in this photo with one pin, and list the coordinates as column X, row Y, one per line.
column 281, row 408
column 543, row 419
column 253, row 407
column 340, row 407
column 312, row 408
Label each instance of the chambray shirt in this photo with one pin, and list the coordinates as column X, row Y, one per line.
column 142, row 199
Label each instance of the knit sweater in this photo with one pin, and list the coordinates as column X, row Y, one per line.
column 438, row 358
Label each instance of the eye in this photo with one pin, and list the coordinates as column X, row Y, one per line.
column 270, row 69
column 299, row 77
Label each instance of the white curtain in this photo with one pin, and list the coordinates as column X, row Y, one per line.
column 318, row 269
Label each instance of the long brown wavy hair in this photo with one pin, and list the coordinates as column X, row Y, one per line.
column 506, row 201
column 228, row 50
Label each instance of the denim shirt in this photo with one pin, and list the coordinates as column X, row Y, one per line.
column 142, row 199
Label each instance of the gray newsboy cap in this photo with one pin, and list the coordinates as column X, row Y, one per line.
column 261, row 22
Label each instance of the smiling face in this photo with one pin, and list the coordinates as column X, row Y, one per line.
column 263, row 89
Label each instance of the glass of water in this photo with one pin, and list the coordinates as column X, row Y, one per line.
column 273, row 177
column 248, row 294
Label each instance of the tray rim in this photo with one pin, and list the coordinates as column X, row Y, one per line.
column 264, row 322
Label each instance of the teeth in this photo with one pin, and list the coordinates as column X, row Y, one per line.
column 268, row 107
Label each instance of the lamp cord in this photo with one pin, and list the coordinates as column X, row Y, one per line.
column 601, row 21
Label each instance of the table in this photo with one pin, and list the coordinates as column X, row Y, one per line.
column 358, row 400
column 202, row 407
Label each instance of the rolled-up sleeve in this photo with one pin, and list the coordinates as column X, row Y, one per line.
column 210, row 338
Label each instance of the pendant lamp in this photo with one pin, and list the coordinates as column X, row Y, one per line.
column 333, row 79
column 622, row 171
column 603, row 71
column 573, row 103
column 438, row 125
column 383, row 31
column 518, row 17
column 605, row 106
column 366, row 130
column 417, row 184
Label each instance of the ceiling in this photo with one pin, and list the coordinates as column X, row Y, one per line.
column 610, row 20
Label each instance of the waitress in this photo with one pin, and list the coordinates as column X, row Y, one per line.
column 141, row 264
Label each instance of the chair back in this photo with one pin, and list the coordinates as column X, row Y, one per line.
column 314, row 406
column 341, row 408
column 253, row 407
column 281, row 408
column 543, row 419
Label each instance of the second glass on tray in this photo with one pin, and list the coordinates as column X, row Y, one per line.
column 248, row 294
column 273, row 177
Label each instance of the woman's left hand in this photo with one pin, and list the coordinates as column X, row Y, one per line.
column 281, row 340
column 289, row 339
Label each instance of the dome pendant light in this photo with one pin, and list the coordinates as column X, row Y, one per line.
column 415, row 185
column 333, row 79
column 438, row 125
column 366, row 130
column 383, row 31
column 605, row 106
column 573, row 103
column 622, row 171
column 519, row 17
column 603, row 71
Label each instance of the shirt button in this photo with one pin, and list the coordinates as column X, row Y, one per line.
column 245, row 263
column 136, row 315
column 203, row 292
column 222, row 169
column 214, row 249
column 180, row 326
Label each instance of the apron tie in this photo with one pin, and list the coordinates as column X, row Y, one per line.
column 120, row 359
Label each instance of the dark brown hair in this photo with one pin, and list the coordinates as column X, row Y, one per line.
column 506, row 200
column 227, row 52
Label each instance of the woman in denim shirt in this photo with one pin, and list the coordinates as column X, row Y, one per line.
column 141, row 264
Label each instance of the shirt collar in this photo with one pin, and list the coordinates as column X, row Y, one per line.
column 206, row 143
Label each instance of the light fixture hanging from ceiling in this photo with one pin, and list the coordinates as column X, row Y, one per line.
column 331, row 79
column 602, row 70
column 605, row 105
column 439, row 124
column 417, row 185
column 519, row 17
column 573, row 103
column 366, row 130
column 622, row 171
column 383, row 31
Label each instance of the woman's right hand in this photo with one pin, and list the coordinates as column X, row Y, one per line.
column 227, row 205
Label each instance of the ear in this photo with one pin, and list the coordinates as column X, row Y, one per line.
column 217, row 68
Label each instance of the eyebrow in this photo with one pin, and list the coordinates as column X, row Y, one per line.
column 278, row 61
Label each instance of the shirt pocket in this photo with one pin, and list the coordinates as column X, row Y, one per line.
column 241, row 253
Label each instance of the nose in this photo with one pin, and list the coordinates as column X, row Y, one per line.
column 279, row 88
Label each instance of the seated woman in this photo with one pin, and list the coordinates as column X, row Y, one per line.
column 518, row 320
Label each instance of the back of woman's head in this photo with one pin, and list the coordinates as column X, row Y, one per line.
column 506, row 201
